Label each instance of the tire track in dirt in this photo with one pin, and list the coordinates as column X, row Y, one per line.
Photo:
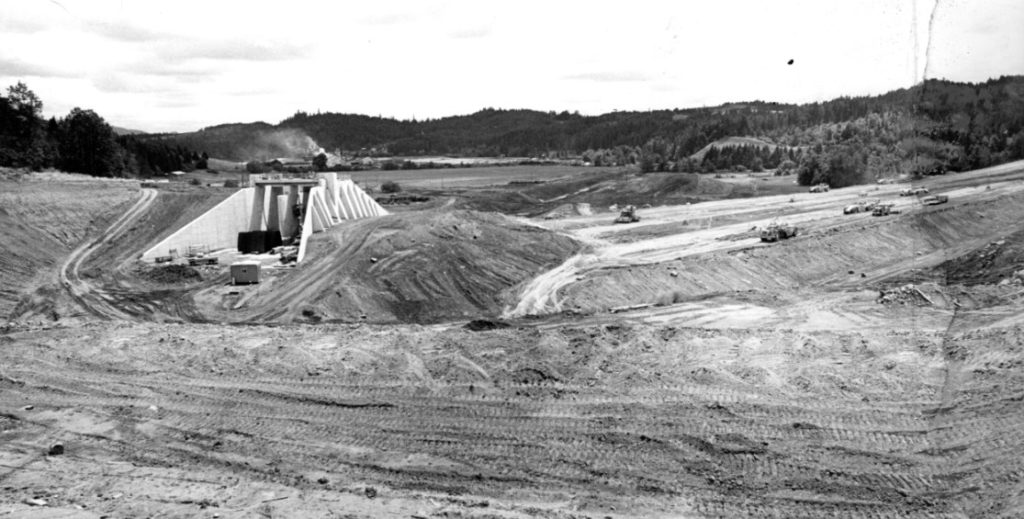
column 81, row 291
column 822, row 213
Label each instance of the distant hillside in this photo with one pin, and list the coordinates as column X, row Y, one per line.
column 126, row 131
column 730, row 142
column 245, row 141
column 930, row 128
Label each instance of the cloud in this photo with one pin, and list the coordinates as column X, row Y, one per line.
column 124, row 32
column 13, row 25
column 236, row 50
column 13, row 68
column 111, row 83
column 389, row 19
column 125, row 84
column 176, row 103
column 184, row 72
column 472, row 34
column 253, row 92
column 610, row 77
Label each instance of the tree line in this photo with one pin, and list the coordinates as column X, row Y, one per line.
column 931, row 128
column 81, row 142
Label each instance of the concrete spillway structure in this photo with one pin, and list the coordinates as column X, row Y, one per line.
column 268, row 205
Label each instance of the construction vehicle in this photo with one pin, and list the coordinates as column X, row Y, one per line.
column 861, row 207
column 202, row 260
column 777, row 231
column 935, row 200
column 820, row 188
column 855, row 208
column 885, row 210
column 628, row 215
column 912, row 191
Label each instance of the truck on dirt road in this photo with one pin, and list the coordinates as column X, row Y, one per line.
column 885, row 210
column 820, row 188
column 778, row 231
column 861, row 207
column 914, row 191
column 628, row 215
column 935, row 200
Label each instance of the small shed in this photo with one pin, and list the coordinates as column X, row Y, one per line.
column 245, row 272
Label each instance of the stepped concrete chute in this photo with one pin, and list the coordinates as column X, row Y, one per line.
column 269, row 204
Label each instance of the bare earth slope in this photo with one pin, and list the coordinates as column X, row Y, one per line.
column 45, row 215
column 590, row 421
column 410, row 267
column 774, row 380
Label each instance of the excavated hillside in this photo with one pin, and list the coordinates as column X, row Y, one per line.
column 416, row 267
column 878, row 249
column 44, row 216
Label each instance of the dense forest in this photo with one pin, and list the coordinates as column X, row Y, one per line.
column 931, row 128
column 82, row 142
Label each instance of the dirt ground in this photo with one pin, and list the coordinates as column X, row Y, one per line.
column 421, row 267
column 674, row 367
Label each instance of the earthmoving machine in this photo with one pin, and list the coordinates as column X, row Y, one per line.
column 861, row 207
column 628, row 215
column 855, row 208
column 884, row 210
column 935, row 200
column 777, row 231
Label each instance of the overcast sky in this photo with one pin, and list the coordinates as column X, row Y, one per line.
column 180, row 65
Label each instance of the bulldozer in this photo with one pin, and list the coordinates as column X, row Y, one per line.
column 778, row 231
column 628, row 215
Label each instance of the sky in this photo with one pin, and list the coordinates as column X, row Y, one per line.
column 180, row 65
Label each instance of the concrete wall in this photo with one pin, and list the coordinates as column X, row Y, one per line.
column 265, row 207
column 217, row 228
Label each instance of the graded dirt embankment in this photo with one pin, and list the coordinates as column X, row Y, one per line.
column 876, row 248
column 419, row 267
column 106, row 257
column 43, row 216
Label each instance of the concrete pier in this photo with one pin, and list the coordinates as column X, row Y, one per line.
column 268, row 205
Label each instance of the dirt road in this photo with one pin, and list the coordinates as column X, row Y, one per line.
column 667, row 235
column 87, row 296
column 590, row 421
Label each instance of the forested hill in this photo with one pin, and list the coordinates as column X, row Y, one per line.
column 929, row 128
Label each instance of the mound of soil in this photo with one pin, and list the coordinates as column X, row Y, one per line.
column 567, row 210
column 997, row 261
column 483, row 325
column 417, row 267
column 171, row 274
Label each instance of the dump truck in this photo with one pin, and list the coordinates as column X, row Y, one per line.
column 820, row 188
column 777, row 231
column 935, row 200
column 628, row 215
